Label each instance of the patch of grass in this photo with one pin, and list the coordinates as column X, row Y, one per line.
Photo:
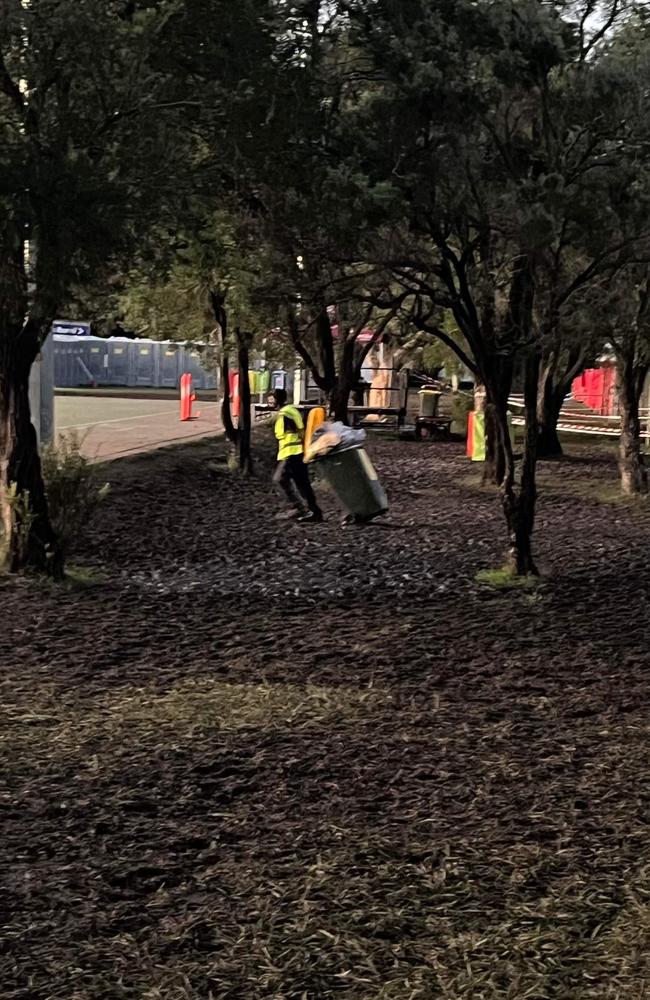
column 607, row 493
column 474, row 481
column 84, row 577
column 137, row 720
column 74, row 488
column 505, row 579
column 76, row 578
column 574, row 443
column 218, row 466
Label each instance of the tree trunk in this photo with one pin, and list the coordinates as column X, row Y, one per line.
column 634, row 475
column 340, row 399
column 497, row 370
column 218, row 302
column 497, row 389
column 358, row 394
column 494, row 468
column 348, row 375
column 559, row 368
column 548, row 415
column 519, row 508
column 325, row 342
column 27, row 538
column 244, row 430
column 226, row 412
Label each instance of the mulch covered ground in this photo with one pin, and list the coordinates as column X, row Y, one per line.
column 261, row 761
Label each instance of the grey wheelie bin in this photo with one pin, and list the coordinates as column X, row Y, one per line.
column 352, row 476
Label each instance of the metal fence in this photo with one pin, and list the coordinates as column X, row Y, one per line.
column 92, row 361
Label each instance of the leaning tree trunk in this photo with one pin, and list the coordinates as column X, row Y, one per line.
column 519, row 507
column 550, row 399
column 550, row 407
column 559, row 369
column 634, row 475
column 27, row 538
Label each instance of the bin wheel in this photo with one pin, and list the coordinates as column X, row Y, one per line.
column 351, row 519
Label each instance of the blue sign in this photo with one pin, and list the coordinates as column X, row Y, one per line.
column 71, row 329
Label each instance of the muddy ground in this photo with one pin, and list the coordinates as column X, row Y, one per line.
column 260, row 761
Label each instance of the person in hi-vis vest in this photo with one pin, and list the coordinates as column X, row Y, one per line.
column 292, row 475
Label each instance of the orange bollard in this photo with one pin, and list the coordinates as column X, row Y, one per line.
column 187, row 397
column 235, row 403
column 184, row 396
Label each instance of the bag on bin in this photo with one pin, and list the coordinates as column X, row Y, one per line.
column 331, row 437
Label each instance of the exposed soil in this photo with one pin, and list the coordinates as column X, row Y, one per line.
column 265, row 761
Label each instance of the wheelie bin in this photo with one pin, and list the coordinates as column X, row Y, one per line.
column 429, row 402
column 353, row 478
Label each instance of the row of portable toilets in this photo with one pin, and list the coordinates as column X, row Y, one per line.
column 92, row 361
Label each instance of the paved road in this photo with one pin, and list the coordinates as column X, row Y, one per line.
column 113, row 428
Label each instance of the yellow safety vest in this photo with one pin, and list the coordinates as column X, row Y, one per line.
column 290, row 441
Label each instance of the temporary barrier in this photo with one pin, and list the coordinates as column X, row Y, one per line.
column 470, row 434
column 119, row 367
column 478, row 438
column 596, row 389
column 118, row 361
column 476, row 435
column 170, row 362
column 145, row 359
column 96, row 359
column 196, row 360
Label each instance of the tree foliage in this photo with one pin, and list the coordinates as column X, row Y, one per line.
column 471, row 173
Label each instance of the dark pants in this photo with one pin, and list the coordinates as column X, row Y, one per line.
column 292, row 476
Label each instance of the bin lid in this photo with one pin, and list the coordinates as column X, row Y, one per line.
column 334, row 452
column 429, row 392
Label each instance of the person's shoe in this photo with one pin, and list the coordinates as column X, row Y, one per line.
column 313, row 517
column 290, row 515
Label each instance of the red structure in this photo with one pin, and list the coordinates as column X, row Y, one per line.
column 187, row 397
column 596, row 388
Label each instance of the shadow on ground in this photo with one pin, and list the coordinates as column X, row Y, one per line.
column 264, row 762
